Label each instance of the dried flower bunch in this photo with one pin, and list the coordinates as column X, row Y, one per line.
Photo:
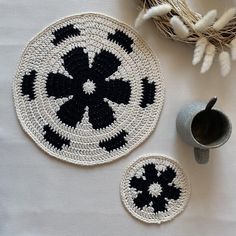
column 211, row 34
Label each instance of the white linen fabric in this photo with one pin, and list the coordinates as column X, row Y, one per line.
column 40, row 195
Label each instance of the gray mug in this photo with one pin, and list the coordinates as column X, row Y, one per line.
column 203, row 127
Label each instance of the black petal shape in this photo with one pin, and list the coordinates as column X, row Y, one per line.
column 150, row 173
column 114, row 142
column 100, row 115
column 122, row 39
column 143, row 199
column 76, row 63
column 171, row 192
column 59, row 85
column 149, row 91
column 139, row 184
column 166, row 176
column 54, row 138
column 27, row 86
column 118, row 91
column 168, row 192
column 159, row 204
column 71, row 112
column 104, row 65
column 64, row 33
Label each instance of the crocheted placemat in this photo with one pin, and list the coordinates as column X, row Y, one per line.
column 88, row 89
column 154, row 189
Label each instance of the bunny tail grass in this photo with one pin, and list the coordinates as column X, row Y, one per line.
column 159, row 10
column 206, row 21
column 199, row 50
column 224, row 19
column 139, row 20
column 209, row 57
column 225, row 63
column 179, row 27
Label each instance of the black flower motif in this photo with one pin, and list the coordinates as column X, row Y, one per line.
column 155, row 188
column 89, row 87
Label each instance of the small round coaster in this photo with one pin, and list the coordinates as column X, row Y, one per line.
column 88, row 89
column 155, row 189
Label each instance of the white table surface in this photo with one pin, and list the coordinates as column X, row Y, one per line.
column 40, row 195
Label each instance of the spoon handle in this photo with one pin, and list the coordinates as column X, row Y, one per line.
column 211, row 103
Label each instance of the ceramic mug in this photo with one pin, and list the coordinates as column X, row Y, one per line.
column 203, row 127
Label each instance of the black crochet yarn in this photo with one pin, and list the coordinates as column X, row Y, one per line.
column 77, row 65
column 162, row 181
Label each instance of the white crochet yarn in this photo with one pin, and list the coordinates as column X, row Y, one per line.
column 155, row 190
column 39, row 107
column 89, row 87
column 167, row 185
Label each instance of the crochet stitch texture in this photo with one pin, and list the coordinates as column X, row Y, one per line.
column 155, row 189
column 88, row 90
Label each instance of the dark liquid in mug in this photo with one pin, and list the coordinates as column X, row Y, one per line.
column 208, row 127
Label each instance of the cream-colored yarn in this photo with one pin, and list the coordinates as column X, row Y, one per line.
column 153, row 182
column 122, row 97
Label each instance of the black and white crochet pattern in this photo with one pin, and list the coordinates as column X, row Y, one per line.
column 88, row 90
column 155, row 189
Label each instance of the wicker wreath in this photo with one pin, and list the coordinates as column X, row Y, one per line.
column 210, row 34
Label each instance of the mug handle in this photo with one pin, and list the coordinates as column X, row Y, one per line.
column 201, row 155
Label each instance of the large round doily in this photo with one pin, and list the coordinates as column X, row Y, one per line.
column 155, row 189
column 88, row 89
